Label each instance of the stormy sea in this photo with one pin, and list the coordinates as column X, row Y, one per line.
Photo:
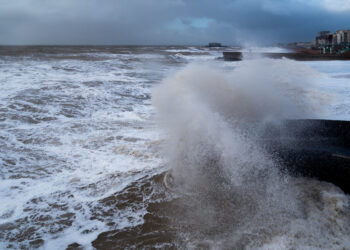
column 156, row 147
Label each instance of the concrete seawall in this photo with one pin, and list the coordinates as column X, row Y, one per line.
column 238, row 56
column 312, row 148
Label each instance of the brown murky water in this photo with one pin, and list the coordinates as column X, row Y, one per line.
column 87, row 164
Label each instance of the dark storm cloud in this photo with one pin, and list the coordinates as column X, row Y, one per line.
column 167, row 21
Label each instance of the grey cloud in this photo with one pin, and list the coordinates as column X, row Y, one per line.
column 149, row 21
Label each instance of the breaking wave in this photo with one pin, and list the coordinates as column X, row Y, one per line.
column 232, row 192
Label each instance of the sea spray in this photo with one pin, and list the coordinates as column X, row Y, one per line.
column 209, row 113
column 234, row 193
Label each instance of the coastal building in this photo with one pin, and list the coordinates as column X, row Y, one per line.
column 323, row 38
column 342, row 37
column 338, row 42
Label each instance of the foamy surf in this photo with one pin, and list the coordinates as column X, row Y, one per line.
column 84, row 163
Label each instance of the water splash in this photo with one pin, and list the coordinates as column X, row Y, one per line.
column 235, row 192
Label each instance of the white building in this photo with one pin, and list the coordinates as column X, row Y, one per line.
column 341, row 37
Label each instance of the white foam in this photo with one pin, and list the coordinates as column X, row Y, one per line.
column 101, row 143
column 103, row 136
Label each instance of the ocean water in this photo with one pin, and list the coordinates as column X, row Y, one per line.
column 146, row 147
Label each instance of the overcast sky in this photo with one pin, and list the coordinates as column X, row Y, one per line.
column 160, row 22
